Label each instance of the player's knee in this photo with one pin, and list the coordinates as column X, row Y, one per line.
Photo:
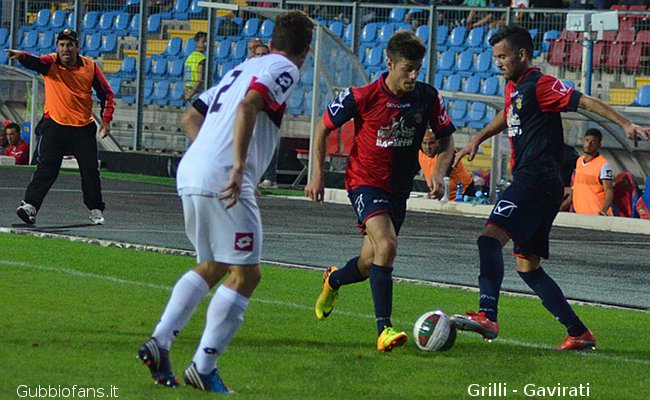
column 386, row 248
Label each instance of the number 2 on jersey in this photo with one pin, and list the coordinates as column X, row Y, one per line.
column 216, row 105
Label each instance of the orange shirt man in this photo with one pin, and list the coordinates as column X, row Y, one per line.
column 428, row 157
column 593, row 190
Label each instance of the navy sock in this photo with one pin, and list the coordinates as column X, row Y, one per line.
column 491, row 275
column 554, row 301
column 381, row 286
column 346, row 275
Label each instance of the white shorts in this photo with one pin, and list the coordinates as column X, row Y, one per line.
column 232, row 236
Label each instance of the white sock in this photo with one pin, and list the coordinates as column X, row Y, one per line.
column 186, row 295
column 225, row 316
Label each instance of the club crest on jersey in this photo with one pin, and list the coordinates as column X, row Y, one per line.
column 519, row 102
column 337, row 103
column 397, row 134
column 560, row 87
column 244, row 241
column 504, row 208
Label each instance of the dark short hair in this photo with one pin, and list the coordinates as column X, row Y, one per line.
column 594, row 132
column 13, row 125
column 404, row 44
column 518, row 37
column 201, row 35
column 292, row 32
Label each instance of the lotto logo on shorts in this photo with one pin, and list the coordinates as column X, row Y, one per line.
column 244, row 241
column 504, row 208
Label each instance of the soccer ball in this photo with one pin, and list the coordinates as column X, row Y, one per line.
column 433, row 331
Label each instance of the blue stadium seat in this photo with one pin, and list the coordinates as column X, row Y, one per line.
column 89, row 22
column 181, row 10
column 127, row 68
column 397, row 15
column 642, row 99
column 437, row 80
column 148, row 91
column 153, row 23
column 369, row 33
column 488, row 35
column 446, row 61
column 225, row 67
column 93, row 44
column 490, row 86
column 222, row 52
column 46, row 42
column 464, row 63
column 4, row 35
column 472, row 84
column 483, row 64
column 548, row 37
column 134, row 25
column 116, row 86
column 176, row 92
column 457, row 112
column 403, row 26
column 42, row 21
column 385, row 33
column 374, row 57
column 347, row 34
column 174, row 46
column 3, row 58
column 457, row 38
column 294, row 104
column 441, row 37
column 196, row 11
column 188, row 47
column 422, row 32
column 109, row 43
column 475, row 37
column 160, row 93
column 30, row 41
column 266, row 29
column 240, row 50
column 58, row 20
column 176, row 69
column 158, row 67
column 121, row 23
column 307, row 78
column 337, row 28
column 105, row 22
column 452, row 83
column 250, row 28
column 70, row 21
column 476, row 115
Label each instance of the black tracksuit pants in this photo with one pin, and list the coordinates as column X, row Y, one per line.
column 56, row 141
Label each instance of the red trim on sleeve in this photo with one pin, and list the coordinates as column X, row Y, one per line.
column 109, row 106
column 553, row 95
column 327, row 121
column 264, row 91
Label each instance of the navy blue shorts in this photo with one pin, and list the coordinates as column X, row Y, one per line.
column 526, row 212
column 369, row 201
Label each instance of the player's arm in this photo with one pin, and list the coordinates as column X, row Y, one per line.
column 315, row 189
column 107, row 104
column 632, row 130
column 445, row 158
column 192, row 121
column 497, row 125
column 245, row 119
column 609, row 196
column 40, row 64
column 566, row 203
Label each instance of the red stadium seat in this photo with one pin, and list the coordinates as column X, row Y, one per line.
column 556, row 52
column 614, row 57
column 575, row 54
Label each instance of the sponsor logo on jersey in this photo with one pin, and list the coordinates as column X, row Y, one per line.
column 398, row 105
column 560, row 88
column 514, row 123
column 284, row 81
column 397, row 134
column 337, row 103
column 244, row 241
column 504, row 208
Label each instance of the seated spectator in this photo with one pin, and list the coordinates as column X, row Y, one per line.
column 252, row 44
column 4, row 143
column 18, row 148
column 428, row 157
column 261, row 50
column 593, row 190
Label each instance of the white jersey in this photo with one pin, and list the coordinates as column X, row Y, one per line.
column 205, row 167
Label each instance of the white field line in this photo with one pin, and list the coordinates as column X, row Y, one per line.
column 120, row 281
